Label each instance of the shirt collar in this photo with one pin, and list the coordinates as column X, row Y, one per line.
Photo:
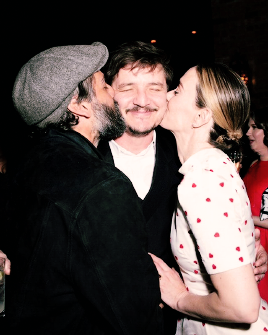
column 118, row 150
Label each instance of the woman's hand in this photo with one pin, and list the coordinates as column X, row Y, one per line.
column 171, row 286
column 7, row 263
column 261, row 258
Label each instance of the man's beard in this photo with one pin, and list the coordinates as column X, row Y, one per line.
column 111, row 124
column 135, row 132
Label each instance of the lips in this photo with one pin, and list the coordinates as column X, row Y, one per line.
column 140, row 110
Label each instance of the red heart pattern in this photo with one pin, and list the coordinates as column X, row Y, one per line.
column 218, row 214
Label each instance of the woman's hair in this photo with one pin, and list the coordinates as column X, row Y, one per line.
column 260, row 117
column 222, row 91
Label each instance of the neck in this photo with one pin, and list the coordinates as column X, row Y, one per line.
column 188, row 146
column 264, row 154
column 133, row 143
column 90, row 134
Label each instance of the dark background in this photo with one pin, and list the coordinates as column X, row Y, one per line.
column 170, row 24
column 231, row 31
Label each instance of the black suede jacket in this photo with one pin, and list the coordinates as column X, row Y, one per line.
column 80, row 262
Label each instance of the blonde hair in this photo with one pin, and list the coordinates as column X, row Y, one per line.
column 222, row 91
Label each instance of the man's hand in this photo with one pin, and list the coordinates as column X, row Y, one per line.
column 261, row 258
column 7, row 263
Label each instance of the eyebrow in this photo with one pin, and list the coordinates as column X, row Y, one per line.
column 149, row 84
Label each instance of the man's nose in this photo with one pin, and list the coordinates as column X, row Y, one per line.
column 141, row 99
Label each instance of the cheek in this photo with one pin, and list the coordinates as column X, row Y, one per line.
column 123, row 100
column 259, row 135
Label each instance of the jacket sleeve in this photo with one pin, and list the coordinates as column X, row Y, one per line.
column 109, row 262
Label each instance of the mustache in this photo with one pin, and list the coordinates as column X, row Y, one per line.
column 138, row 108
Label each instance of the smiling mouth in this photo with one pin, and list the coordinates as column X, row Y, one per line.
column 141, row 110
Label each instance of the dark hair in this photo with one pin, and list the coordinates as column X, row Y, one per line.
column 260, row 117
column 137, row 54
column 222, row 91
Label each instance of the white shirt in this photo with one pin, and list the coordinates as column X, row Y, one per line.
column 138, row 168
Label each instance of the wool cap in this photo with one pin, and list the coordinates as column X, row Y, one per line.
column 45, row 85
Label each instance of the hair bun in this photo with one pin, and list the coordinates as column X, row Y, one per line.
column 234, row 135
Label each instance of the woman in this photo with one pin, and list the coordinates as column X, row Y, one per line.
column 212, row 237
column 256, row 179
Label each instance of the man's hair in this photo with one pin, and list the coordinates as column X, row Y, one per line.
column 137, row 55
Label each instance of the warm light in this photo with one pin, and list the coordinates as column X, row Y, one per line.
column 193, row 32
column 244, row 78
column 153, row 41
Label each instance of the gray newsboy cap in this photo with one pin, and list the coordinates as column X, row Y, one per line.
column 45, row 85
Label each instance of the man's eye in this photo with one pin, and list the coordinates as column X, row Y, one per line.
column 176, row 92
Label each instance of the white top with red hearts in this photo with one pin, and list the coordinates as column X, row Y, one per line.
column 213, row 230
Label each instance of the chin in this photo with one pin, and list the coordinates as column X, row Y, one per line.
column 138, row 131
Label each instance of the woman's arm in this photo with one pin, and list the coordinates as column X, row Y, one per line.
column 261, row 258
column 236, row 297
column 261, row 223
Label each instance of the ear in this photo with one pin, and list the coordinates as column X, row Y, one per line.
column 203, row 116
column 82, row 109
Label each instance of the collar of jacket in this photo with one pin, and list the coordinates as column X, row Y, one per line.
column 76, row 138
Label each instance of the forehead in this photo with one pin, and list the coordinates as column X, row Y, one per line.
column 190, row 77
column 138, row 74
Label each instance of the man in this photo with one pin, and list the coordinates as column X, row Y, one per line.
column 140, row 75
column 80, row 265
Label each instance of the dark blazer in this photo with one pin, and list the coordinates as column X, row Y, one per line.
column 79, row 258
column 159, row 204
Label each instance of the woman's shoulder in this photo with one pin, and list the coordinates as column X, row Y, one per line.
column 214, row 160
column 210, row 166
